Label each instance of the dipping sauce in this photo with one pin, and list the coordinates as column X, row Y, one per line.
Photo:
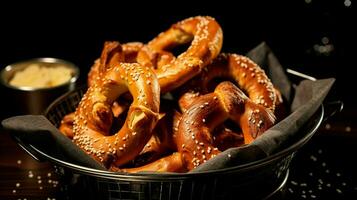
column 31, row 85
column 41, row 76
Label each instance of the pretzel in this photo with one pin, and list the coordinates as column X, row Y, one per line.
column 112, row 53
column 246, row 74
column 206, row 36
column 225, row 138
column 170, row 163
column 126, row 53
column 66, row 126
column 93, row 117
column 160, row 153
column 162, row 141
column 100, row 65
column 194, row 138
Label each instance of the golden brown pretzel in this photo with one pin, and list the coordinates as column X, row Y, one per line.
column 161, row 142
column 206, row 36
column 66, row 126
column 223, row 137
column 160, row 153
column 247, row 74
column 100, row 65
column 170, row 163
column 112, row 53
column 127, row 53
column 131, row 50
column 208, row 111
column 93, row 117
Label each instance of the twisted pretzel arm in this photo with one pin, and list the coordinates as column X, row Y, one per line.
column 206, row 36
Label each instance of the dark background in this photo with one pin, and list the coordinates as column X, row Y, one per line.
column 314, row 37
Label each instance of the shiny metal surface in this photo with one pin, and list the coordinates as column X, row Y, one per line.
column 30, row 100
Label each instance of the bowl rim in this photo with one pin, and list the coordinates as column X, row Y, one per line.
column 12, row 67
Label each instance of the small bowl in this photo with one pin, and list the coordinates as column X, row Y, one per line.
column 34, row 100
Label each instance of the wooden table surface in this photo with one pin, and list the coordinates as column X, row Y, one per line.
column 21, row 177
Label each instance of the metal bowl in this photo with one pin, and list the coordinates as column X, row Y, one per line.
column 32, row 100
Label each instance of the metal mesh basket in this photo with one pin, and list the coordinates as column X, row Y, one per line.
column 256, row 180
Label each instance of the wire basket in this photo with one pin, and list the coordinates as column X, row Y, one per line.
column 256, row 180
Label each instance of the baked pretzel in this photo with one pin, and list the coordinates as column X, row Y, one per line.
column 225, row 138
column 112, row 52
column 160, row 153
column 126, row 53
column 170, row 163
column 194, row 136
column 243, row 71
column 206, row 36
column 131, row 50
column 162, row 140
column 93, row 117
column 66, row 126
